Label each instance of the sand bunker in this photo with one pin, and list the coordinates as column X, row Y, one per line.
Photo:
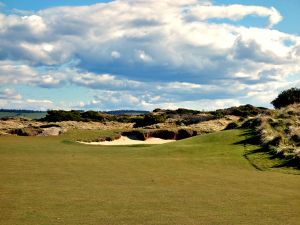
column 123, row 140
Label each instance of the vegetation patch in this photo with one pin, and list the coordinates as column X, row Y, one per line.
column 150, row 119
column 278, row 133
column 27, row 131
column 232, row 125
column 241, row 111
column 287, row 97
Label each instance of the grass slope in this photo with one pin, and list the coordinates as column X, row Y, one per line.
column 201, row 180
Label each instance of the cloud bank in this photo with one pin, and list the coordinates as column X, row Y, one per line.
column 152, row 53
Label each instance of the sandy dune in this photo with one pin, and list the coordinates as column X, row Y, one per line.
column 127, row 141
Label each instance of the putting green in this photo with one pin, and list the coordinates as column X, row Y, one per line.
column 201, row 180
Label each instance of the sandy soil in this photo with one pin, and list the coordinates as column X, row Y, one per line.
column 201, row 127
column 95, row 125
column 52, row 131
column 127, row 141
column 17, row 123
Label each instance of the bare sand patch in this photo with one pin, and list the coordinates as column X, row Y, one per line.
column 123, row 140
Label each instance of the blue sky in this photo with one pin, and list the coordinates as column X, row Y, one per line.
column 200, row 54
column 44, row 4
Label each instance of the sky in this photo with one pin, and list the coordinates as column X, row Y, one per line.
column 147, row 54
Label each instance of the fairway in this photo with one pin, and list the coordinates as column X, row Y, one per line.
column 201, row 180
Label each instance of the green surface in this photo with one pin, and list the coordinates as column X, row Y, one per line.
column 201, row 180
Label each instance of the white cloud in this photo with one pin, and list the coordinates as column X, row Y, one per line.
column 21, row 73
column 10, row 99
column 115, row 54
column 15, row 73
column 186, row 87
column 203, row 104
column 9, row 94
column 153, row 52
column 39, row 101
column 108, row 100
column 235, row 12
column 106, row 81
column 159, row 31
column 143, row 56
column 35, row 22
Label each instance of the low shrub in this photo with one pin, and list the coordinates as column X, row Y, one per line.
column 286, row 98
column 276, row 141
column 194, row 119
column 150, row 119
column 92, row 116
column 232, row 125
column 61, row 115
column 242, row 111
column 296, row 139
column 27, row 131
column 252, row 123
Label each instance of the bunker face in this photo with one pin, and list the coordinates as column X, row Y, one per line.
column 123, row 140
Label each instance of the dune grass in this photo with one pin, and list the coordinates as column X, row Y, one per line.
column 201, row 180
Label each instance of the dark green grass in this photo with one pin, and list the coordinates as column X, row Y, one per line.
column 202, row 180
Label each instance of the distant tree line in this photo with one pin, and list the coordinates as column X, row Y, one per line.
column 179, row 111
column 87, row 116
column 20, row 111
column 126, row 112
column 74, row 115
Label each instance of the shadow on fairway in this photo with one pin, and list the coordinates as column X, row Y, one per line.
column 252, row 139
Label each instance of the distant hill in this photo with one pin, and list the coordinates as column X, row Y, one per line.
column 33, row 114
column 126, row 112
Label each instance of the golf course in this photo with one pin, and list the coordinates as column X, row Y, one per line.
column 147, row 112
column 207, row 180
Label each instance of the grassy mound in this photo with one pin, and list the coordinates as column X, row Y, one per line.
column 279, row 133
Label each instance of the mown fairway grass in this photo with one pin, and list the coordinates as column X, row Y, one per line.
column 202, row 180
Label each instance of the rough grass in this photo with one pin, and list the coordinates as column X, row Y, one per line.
column 201, row 180
column 279, row 133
